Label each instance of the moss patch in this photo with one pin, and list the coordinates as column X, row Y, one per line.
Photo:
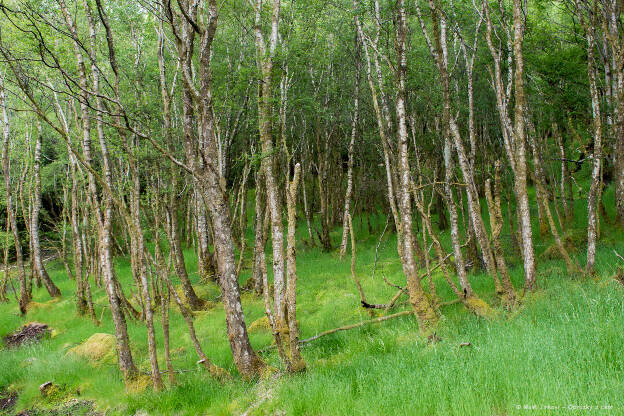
column 260, row 325
column 99, row 348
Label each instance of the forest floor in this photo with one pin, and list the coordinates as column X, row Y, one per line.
column 560, row 352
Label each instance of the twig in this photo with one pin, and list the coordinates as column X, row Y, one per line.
column 404, row 289
column 383, row 276
column 377, row 247
column 618, row 255
column 450, row 302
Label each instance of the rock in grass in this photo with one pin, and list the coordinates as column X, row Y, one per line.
column 99, row 348
column 45, row 388
column 30, row 333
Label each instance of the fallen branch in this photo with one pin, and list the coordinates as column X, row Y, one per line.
column 353, row 326
column 373, row 305
column 343, row 328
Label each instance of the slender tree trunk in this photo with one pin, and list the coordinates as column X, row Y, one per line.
column 25, row 295
column 297, row 363
column 103, row 209
column 242, row 221
column 190, row 296
column 592, row 202
column 421, row 304
column 354, row 124
column 52, row 289
column 260, row 235
column 496, row 223
column 519, row 140
column 139, row 243
column 306, row 210
column 566, row 183
column 389, row 168
column 265, row 93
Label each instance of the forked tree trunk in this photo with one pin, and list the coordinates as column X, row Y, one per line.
column 212, row 185
column 439, row 52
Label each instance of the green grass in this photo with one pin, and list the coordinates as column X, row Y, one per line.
column 564, row 345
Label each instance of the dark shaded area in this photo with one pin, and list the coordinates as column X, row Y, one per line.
column 8, row 400
column 72, row 407
column 29, row 334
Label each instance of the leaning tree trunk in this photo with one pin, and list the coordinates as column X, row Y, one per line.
column 103, row 208
column 439, row 52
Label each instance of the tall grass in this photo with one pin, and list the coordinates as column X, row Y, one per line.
column 563, row 347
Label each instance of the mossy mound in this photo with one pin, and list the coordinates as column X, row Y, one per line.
column 259, row 325
column 205, row 292
column 99, row 348
column 34, row 306
column 139, row 384
column 573, row 241
column 480, row 307
column 71, row 406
